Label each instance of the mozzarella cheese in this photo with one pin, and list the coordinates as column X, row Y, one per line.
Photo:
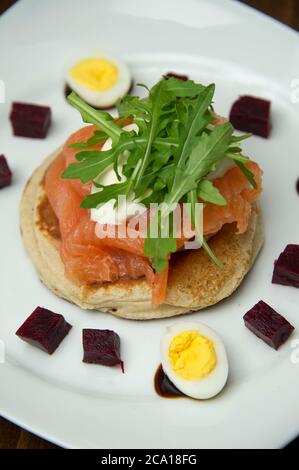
column 109, row 213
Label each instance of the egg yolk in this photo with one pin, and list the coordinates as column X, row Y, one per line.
column 96, row 74
column 191, row 355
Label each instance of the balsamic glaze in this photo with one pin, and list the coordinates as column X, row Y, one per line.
column 164, row 387
column 67, row 90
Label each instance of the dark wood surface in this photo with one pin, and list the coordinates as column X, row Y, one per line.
column 286, row 11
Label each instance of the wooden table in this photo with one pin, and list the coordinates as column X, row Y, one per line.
column 286, row 11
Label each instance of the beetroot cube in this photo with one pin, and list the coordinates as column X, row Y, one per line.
column 102, row 347
column 44, row 329
column 5, row 173
column 268, row 325
column 251, row 114
column 176, row 75
column 286, row 268
column 30, row 120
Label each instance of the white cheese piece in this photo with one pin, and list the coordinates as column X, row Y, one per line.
column 108, row 213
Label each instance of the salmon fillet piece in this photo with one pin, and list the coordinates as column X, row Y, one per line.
column 89, row 259
column 239, row 195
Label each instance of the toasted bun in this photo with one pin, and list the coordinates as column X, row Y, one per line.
column 194, row 281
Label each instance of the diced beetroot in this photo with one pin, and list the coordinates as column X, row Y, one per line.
column 30, row 120
column 44, row 329
column 251, row 114
column 176, row 75
column 5, row 172
column 286, row 268
column 268, row 325
column 102, row 347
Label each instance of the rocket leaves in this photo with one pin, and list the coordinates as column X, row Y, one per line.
column 167, row 160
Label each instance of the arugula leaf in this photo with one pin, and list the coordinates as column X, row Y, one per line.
column 158, row 98
column 208, row 192
column 167, row 161
column 93, row 162
column 93, row 116
column 159, row 248
column 196, row 119
column 100, row 197
column 210, row 149
column 89, row 168
column 239, row 138
column 182, row 89
column 237, row 157
column 192, row 198
column 249, row 175
column 86, row 154
column 161, row 158
column 130, row 106
column 98, row 138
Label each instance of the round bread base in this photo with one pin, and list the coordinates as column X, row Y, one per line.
column 195, row 282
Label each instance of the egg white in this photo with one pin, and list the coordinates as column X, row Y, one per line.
column 107, row 98
column 208, row 386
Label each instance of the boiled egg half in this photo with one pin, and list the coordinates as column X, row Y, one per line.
column 194, row 359
column 99, row 80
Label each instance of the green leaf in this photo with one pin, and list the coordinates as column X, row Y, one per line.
column 183, row 88
column 197, row 119
column 159, row 248
column 111, row 192
column 156, row 181
column 208, row 192
column 93, row 116
column 239, row 138
column 89, row 168
column 90, row 154
column 192, row 199
column 79, row 145
column 98, row 138
column 209, row 150
column 158, row 98
column 167, row 162
column 249, row 175
column 93, row 162
column 161, row 158
column 236, row 157
column 133, row 106
column 153, row 197
column 166, row 142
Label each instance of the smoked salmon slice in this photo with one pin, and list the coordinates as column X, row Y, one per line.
column 86, row 258
column 89, row 258
column 239, row 195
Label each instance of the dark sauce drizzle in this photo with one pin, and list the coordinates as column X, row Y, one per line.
column 164, row 387
column 67, row 91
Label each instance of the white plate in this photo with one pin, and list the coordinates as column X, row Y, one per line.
column 77, row 405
